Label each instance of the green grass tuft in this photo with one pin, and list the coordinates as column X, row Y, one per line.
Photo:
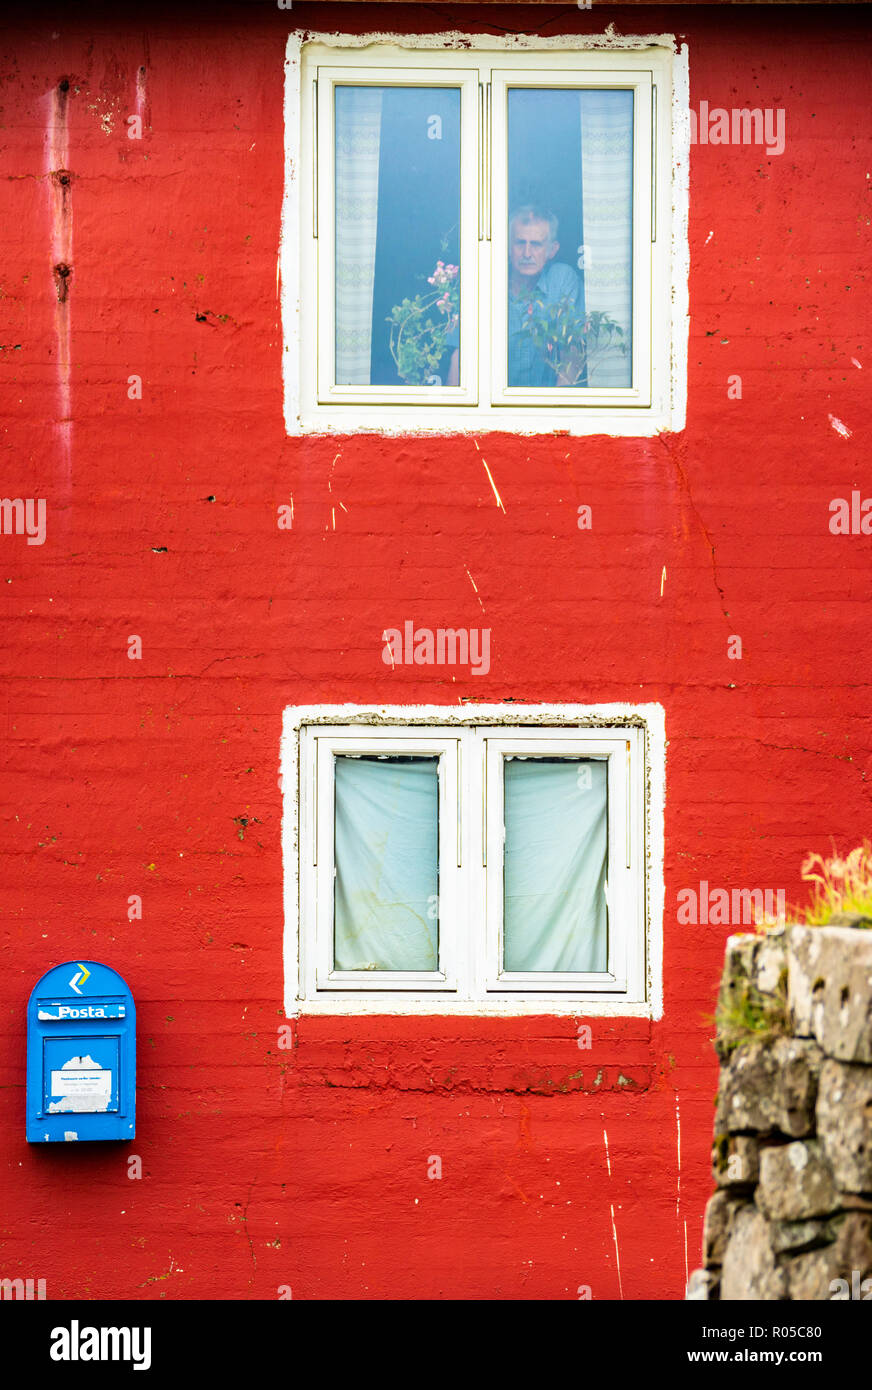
column 840, row 885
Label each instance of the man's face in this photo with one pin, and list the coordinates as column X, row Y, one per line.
column 531, row 248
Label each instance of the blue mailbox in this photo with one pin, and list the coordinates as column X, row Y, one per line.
column 81, row 1055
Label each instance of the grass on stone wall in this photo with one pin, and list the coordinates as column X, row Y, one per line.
column 751, row 1016
column 840, row 885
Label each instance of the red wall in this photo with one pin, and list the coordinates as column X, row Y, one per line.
column 308, row 1168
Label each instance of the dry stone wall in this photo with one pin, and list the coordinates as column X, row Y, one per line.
column 792, row 1155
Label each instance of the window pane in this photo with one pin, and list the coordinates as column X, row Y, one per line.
column 556, row 858
column 570, row 271
column 387, row 864
column 397, row 235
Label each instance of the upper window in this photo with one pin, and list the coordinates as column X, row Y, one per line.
column 473, row 862
column 484, row 239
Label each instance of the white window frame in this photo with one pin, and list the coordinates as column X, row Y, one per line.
column 483, row 66
column 556, row 74
column 319, row 750
column 471, row 744
column 624, row 756
column 328, row 79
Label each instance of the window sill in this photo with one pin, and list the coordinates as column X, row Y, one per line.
column 629, row 422
column 558, row 1006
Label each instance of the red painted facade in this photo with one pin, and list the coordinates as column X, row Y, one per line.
column 308, row 1168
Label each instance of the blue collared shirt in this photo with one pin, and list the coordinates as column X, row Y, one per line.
column 527, row 366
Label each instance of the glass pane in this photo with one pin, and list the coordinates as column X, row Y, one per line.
column 555, row 866
column 397, row 236
column 386, row 904
column 570, row 271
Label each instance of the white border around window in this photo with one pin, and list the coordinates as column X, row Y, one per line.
column 639, row 791
column 667, row 63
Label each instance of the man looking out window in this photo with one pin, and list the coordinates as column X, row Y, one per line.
column 535, row 280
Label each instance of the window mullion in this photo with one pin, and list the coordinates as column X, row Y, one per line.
column 315, row 188
column 488, row 159
column 475, row 792
column 654, row 161
column 618, row 870
column 450, row 900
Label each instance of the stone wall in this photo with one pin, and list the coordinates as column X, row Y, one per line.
column 792, row 1151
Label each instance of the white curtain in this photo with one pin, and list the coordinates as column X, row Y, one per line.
column 607, row 192
column 358, row 137
column 386, row 859
column 556, row 860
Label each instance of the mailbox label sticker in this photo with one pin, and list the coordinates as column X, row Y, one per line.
column 83, row 1085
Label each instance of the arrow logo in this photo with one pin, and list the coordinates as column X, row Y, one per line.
column 81, row 975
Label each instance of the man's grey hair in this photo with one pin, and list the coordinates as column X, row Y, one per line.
column 531, row 212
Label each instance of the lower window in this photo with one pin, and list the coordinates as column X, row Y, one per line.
column 470, row 863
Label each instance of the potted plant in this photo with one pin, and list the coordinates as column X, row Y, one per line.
column 420, row 326
column 569, row 340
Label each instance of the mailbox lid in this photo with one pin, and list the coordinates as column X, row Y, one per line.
column 76, row 989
